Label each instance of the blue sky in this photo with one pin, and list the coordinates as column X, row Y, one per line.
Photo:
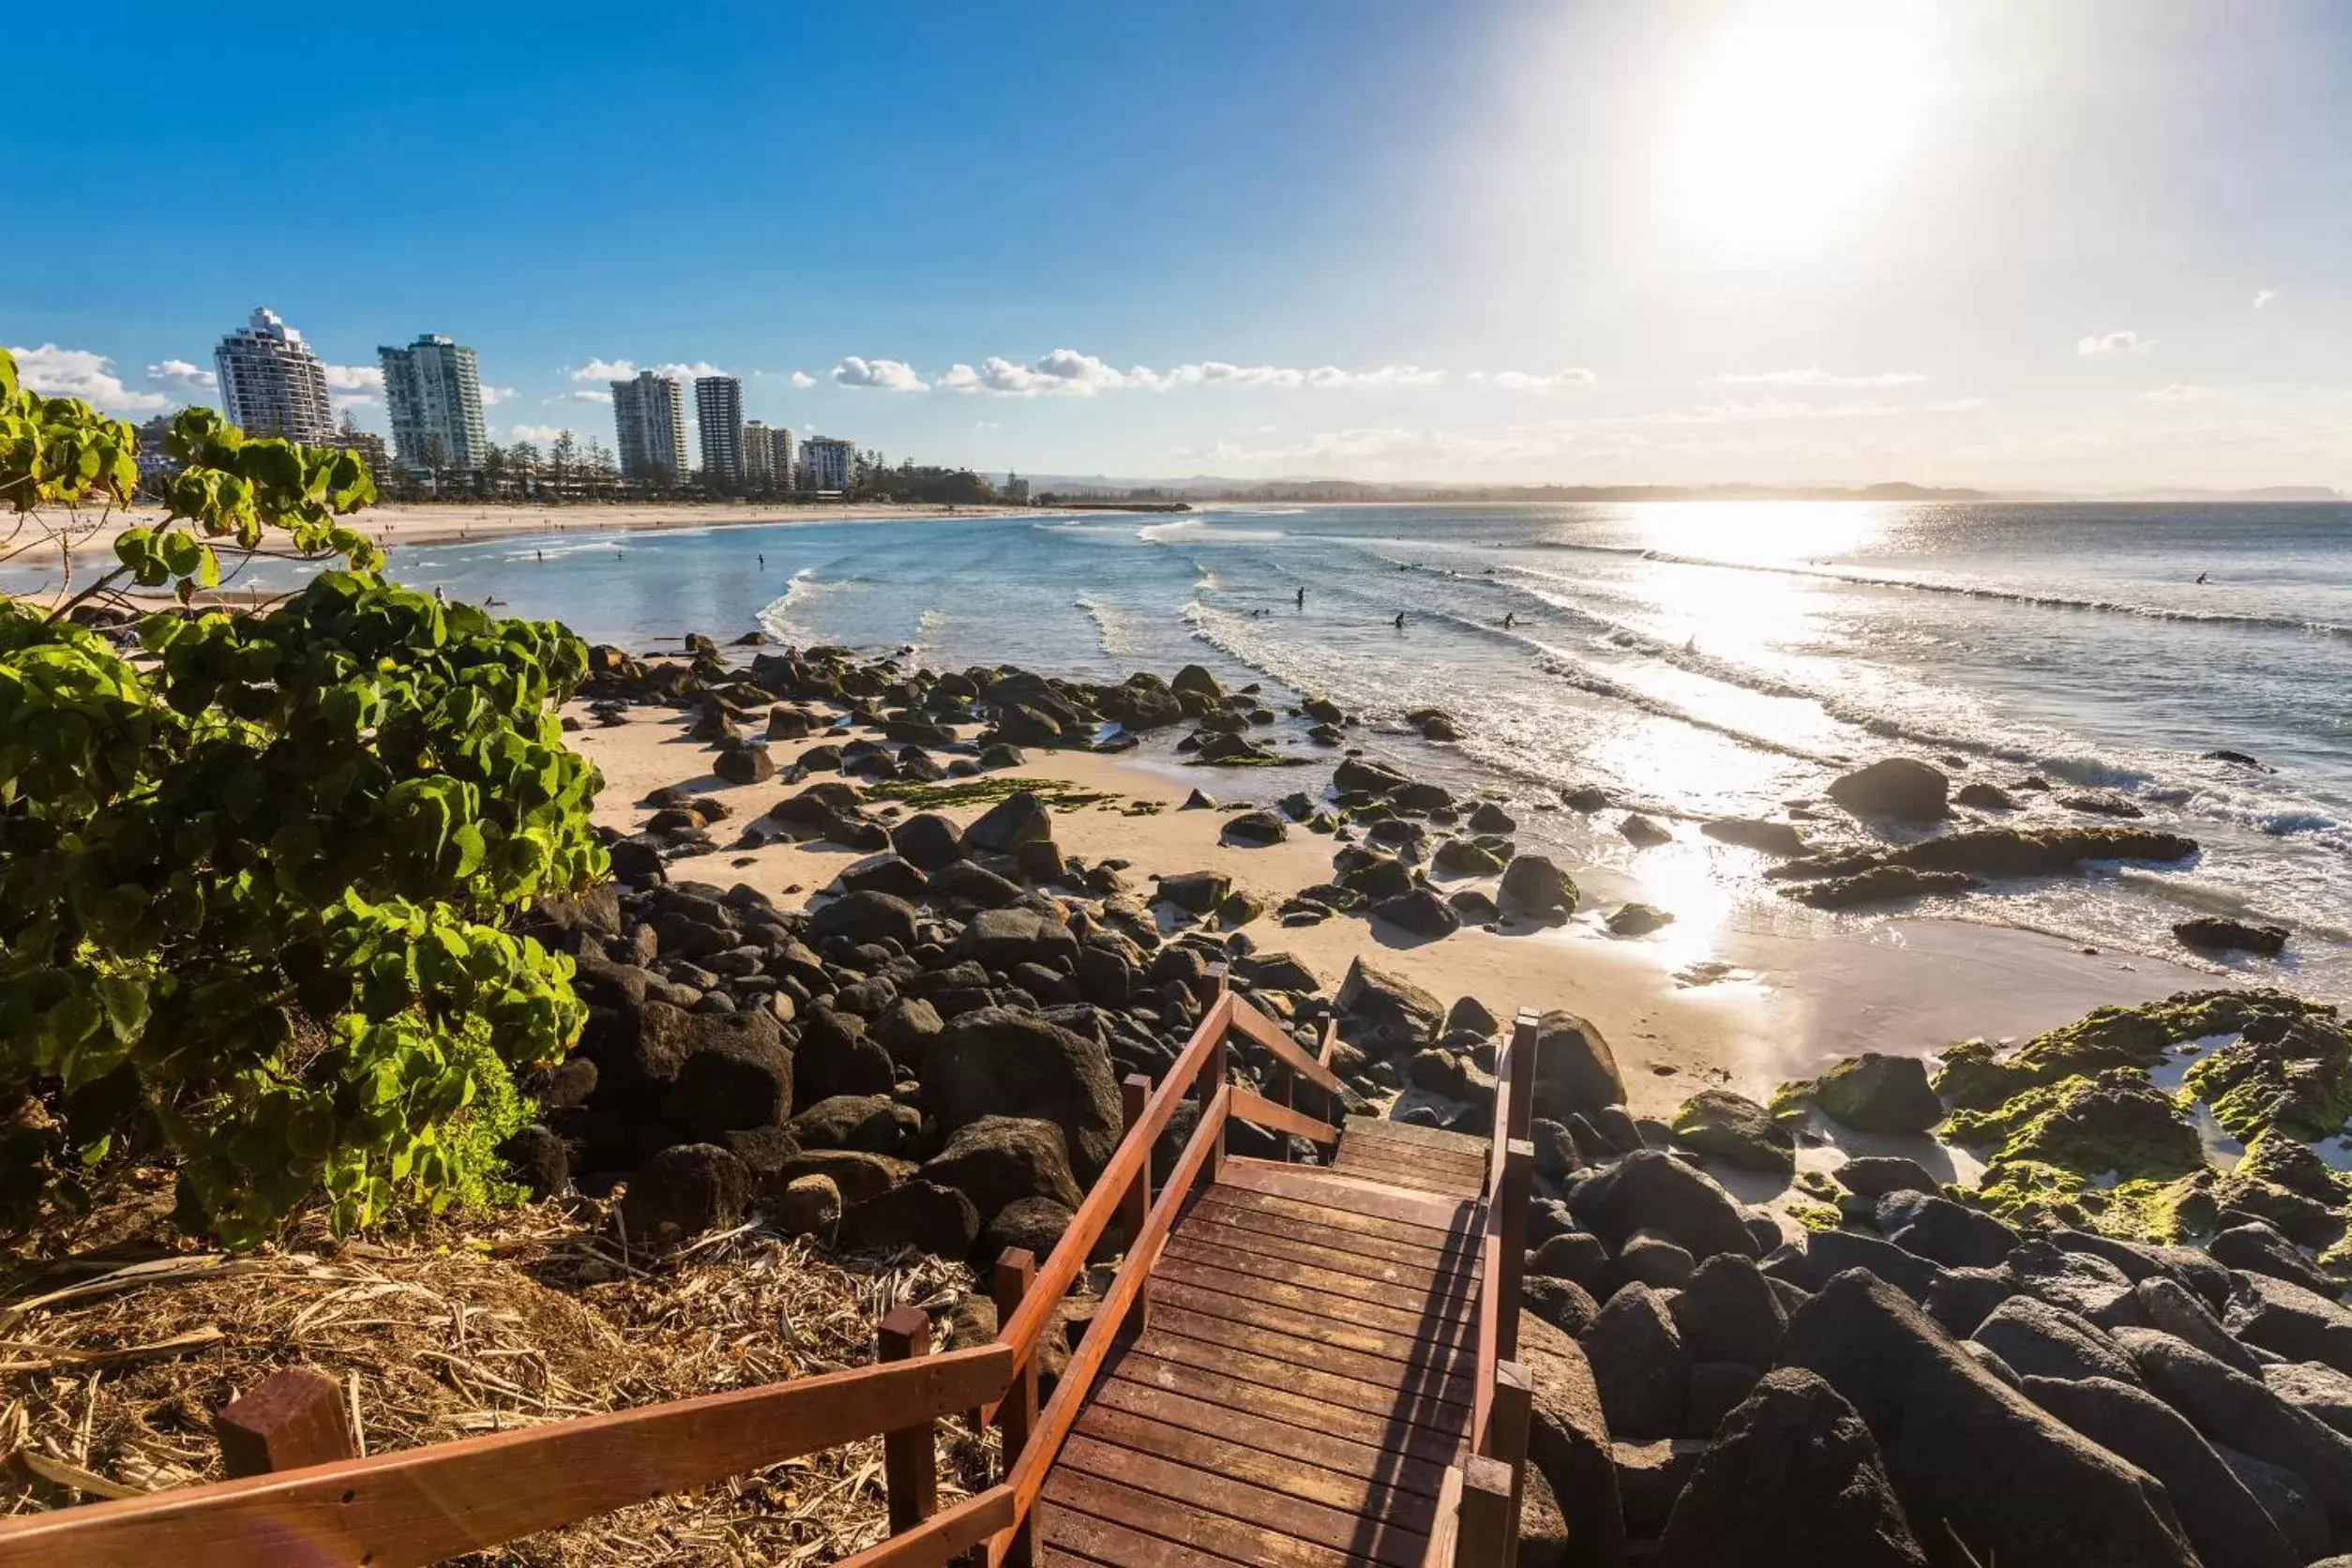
column 2083, row 243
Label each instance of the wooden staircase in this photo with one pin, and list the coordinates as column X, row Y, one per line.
column 1303, row 1365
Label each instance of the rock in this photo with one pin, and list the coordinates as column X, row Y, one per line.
column 998, row 1160
column 1568, row 1442
column 2215, row 934
column 835, row 1057
column 1033, row 1225
column 1878, row 884
column 1961, row 1299
column 1419, row 913
column 1652, row 1189
column 868, row 1122
column 1638, row 920
column 1727, row 1312
column 1574, row 1256
column 1779, row 838
column 2293, row 1511
column 2230, row 1408
column 1901, row 788
column 1465, row 857
column 1014, row 820
column 2173, row 1308
column 1874, row 1176
column 1715, row 1389
column 1651, row 1475
column 2079, row 1282
column 1643, row 834
column 2012, row 1484
column 1390, row 1010
column 1874, row 1092
column 538, row 1160
column 683, row 1191
column 2100, row 802
column 1199, row 682
column 1565, row 1304
column 908, row 1029
column 920, row 1214
column 855, row 1175
column 1794, row 1480
column 2039, row 1340
column 964, row 882
column 1575, row 1069
column 1533, row 886
column 1000, row 939
column 995, row 1062
column 1736, row 1130
column 864, row 917
column 1254, row 829
column 739, row 1077
column 1655, row 1260
column 807, row 1206
column 2281, row 1316
column 1197, row 892
column 1638, row 1362
column 1543, row 1529
column 1828, row 1254
column 747, row 765
column 1944, row 1232
column 928, row 840
column 1984, row 797
column 2317, row 1390
column 2223, row 1521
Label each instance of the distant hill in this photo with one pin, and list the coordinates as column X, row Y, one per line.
column 1310, row 489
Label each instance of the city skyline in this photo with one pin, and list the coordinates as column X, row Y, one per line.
column 2088, row 245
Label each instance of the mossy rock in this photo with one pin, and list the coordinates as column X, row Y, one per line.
column 1736, row 1131
column 2036, row 1195
column 1976, row 1077
column 1815, row 1216
column 1873, row 1092
column 2289, row 1072
column 2088, row 1127
column 2285, row 1161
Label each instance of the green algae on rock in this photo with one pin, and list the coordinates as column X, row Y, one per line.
column 2290, row 1068
column 1871, row 1093
column 1736, row 1130
column 2116, row 1122
column 1976, row 1077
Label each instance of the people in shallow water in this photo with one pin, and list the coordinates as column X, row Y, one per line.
column 1400, row 619
column 1302, row 598
column 1509, row 616
column 2200, row 576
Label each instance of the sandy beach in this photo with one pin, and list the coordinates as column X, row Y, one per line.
column 1786, row 1004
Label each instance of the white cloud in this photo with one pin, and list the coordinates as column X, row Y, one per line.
column 605, row 370
column 1216, row 372
column 182, row 376
column 1741, row 410
column 534, row 432
column 2264, row 296
column 355, row 378
column 889, row 375
column 493, row 396
column 1064, row 371
column 2115, row 342
column 801, row 380
column 1813, row 375
column 78, row 373
column 586, row 395
column 1523, row 381
column 2178, row 392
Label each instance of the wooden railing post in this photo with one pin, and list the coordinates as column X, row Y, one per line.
column 1135, row 1204
column 910, row 1456
column 1518, row 1176
column 1487, row 1534
column 1525, row 1029
column 1289, row 1102
column 1018, row 1412
column 291, row 1418
column 1505, row 1439
column 1212, row 1079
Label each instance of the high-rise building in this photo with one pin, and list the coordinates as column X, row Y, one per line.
column 826, row 463
column 718, row 415
column 1016, row 489
column 649, row 426
column 434, row 396
column 271, row 383
column 767, row 454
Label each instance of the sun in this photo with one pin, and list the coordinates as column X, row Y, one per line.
column 1799, row 115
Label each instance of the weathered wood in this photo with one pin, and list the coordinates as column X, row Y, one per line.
column 1318, row 1446
column 1344, row 1249
column 1447, row 1298
column 909, row 1453
column 1414, row 1407
column 1289, row 1474
column 1239, row 1541
column 1441, row 1321
column 1413, row 1176
column 291, row 1418
column 1374, row 1149
column 1085, row 1537
column 1508, row 1267
column 1448, row 1378
column 1216, row 1081
column 1504, row 1439
column 1330, row 1333
column 417, row 1506
column 1015, row 1276
column 1446, row 1537
column 1488, row 1538
column 1260, row 1111
column 1402, row 1440
column 1338, row 1191
column 1525, row 1031
column 1250, row 1022
column 1135, row 1204
column 943, row 1537
column 1430, row 1138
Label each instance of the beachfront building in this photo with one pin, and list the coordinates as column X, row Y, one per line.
column 434, row 396
column 718, row 415
column 271, row 383
column 1016, row 489
column 825, row 464
column 768, row 456
column 649, row 426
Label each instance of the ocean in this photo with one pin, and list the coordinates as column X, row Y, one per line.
column 1697, row 659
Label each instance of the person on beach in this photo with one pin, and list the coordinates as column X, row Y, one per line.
column 1400, row 619
column 1508, row 616
column 763, row 560
column 543, row 557
column 1302, row 598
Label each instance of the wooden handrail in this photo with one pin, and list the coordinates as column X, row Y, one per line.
column 1254, row 1108
column 944, row 1536
column 419, row 1505
column 1250, row 1022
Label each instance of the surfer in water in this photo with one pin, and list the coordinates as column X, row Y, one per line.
column 2200, row 576
column 1509, row 616
column 1400, row 619
column 1302, row 598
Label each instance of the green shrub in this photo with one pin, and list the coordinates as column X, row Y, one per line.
column 253, row 879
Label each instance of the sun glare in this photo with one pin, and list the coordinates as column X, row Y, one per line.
column 1799, row 113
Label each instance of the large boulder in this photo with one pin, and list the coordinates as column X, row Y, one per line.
column 1736, row 1130
column 1418, row 911
column 1794, row 1480
column 1950, row 1233
column 1727, row 1312
column 1568, row 1444
column 1384, row 1010
column 996, row 1062
column 2228, row 1527
column 998, row 1160
column 683, row 1191
column 1575, row 1072
column 738, row 1075
column 2039, row 1340
column 1640, row 1364
column 835, row 1056
column 928, row 840
column 2011, row 1483
column 1532, row 885
column 864, row 916
column 1650, row 1189
column 1902, row 787
column 1014, row 820
column 1000, row 938
column 1873, row 1092
column 920, row 1214
column 2284, row 1317
column 2230, row 1408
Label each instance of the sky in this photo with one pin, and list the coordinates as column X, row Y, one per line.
column 2096, row 245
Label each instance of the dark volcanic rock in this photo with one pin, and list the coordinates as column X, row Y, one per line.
column 1389, row 1011
column 2012, row 1484
column 1652, row 1189
column 1728, row 1312
column 1736, row 1130
column 1533, row 885
column 1794, row 1480
column 2039, row 1340
column 2258, row 1248
column 1948, row 1232
column 1897, row 787
column 1568, row 1440
column 2230, row 1408
column 920, row 1214
column 998, row 1160
column 1575, row 1069
column 1875, row 1175
column 995, row 1062
column 683, row 1191
column 2215, row 934
column 1878, row 884
column 741, row 1077
column 1014, row 820
column 2282, row 1317
column 1419, row 912
column 928, row 840
column 865, row 917
column 1638, row 1362
column 1874, row 1092
column 1781, row 838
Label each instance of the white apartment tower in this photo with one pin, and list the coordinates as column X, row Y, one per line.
column 718, row 415
column 826, row 463
column 271, row 383
column 434, row 396
column 767, row 454
column 649, row 426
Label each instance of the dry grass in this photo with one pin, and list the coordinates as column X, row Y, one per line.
column 110, row 1374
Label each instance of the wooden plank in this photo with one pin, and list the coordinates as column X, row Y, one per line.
column 1290, row 1475
column 1066, row 1529
column 1407, row 1156
column 1488, row 1534
column 909, row 1453
column 1449, row 1296
column 1442, row 1348
column 291, row 1418
column 1337, row 1227
column 1433, row 1138
column 1294, row 1409
column 1293, row 1521
column 1239, row 1210
column 1434, row 1183
column 1440, row 1319
column 1416, row 1407
column 943, row 1537
column 1260, row 1111
column 1446, row 1537
column 1315, row 1446
column 1250, row 1022
column 416, row 1506
column 1333, row 1190
column 1377, row 1377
